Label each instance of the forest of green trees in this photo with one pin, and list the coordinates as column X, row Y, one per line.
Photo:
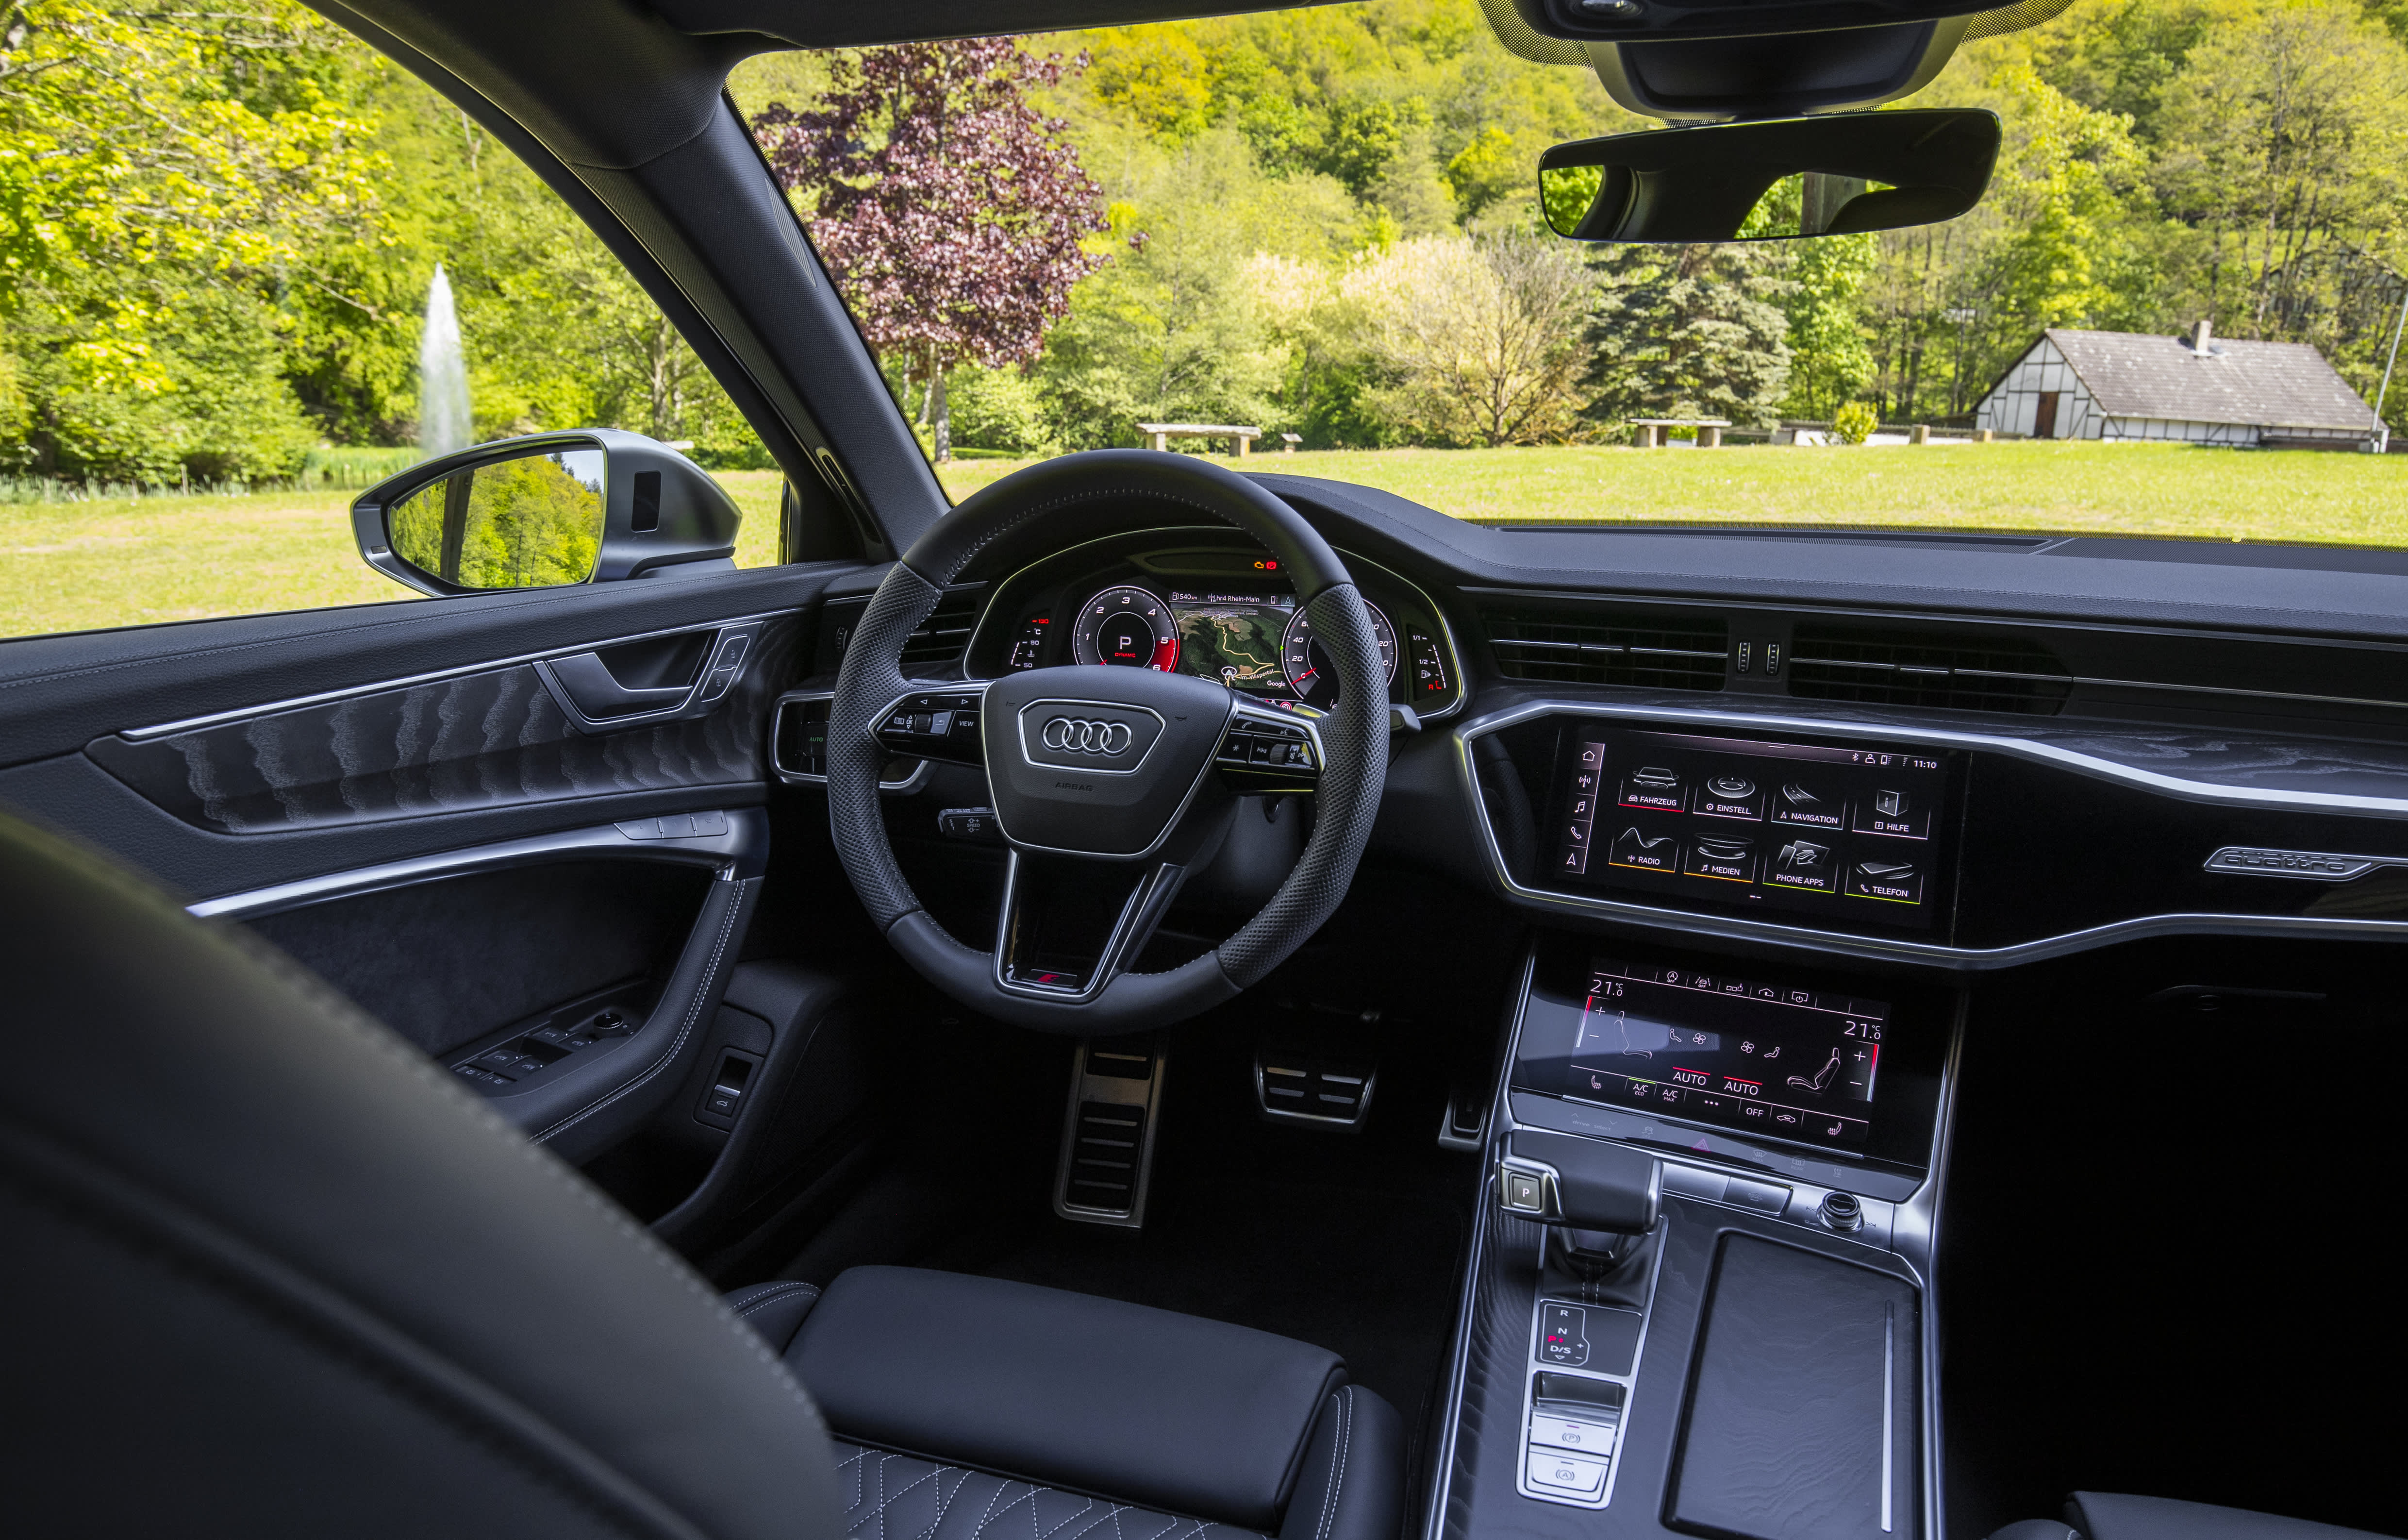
column 217, row 231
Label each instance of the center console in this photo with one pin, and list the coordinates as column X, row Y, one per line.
column 1697, row 1303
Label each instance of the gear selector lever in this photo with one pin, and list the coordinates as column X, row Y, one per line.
column 1598, row 1201
column 1584, row 1184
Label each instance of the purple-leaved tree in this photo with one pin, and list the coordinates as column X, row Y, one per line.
column 949, row 210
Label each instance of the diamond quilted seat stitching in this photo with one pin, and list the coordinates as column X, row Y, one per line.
column 900, row 1497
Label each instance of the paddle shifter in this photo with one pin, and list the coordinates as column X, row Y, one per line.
column 1598, row 1201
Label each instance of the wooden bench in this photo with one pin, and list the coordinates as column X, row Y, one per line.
column 1649, row 431
column 1242, row 440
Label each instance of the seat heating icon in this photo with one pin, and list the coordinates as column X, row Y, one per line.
column 1820, row 1078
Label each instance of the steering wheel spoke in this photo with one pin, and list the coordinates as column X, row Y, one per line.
column 936, row 723
column 1266, row 751
column 1070, row 927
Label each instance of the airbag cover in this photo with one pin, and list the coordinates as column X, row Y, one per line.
column 1098, row 761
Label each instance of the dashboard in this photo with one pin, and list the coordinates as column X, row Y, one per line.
column 1945, row 788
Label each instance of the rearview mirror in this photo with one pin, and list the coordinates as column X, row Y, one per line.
column 1778, row 180
column 544, row 511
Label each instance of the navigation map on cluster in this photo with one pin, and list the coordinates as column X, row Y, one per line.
column 1233, row 638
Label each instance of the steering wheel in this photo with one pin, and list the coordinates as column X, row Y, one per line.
column 1108, row 784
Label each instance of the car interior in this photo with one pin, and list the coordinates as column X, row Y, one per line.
column 1174, row 1003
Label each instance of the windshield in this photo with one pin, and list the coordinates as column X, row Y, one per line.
column 1317, row 236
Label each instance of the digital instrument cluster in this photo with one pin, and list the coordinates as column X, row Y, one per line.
column 1258, row 642
column 1838, row 832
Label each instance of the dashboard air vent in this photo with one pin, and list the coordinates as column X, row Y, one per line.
column 1932, row 669
column 944, row 636
column 1580, row 646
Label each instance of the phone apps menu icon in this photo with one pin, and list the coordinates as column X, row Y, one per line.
column 1804, row 866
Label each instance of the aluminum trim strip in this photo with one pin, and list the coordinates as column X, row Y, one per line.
column 746, row 840
column 1895, row 949
column 323, row 697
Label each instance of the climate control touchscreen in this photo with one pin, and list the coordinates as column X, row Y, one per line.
column 1854, row 833
column 1710, row 1047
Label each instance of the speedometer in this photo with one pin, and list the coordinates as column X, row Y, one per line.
column 1127, row 626
column 1307, row 663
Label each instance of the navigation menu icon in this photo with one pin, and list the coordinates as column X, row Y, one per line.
column 1802, row 799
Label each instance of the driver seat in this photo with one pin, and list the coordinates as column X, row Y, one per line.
column 270, row 1271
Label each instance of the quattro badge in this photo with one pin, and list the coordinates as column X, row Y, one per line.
column 2313, row 864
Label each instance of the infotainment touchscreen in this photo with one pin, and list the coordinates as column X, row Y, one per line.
column 1857, row 834
column 1710, row 1047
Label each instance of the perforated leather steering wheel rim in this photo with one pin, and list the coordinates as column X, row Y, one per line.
column 1354, row 735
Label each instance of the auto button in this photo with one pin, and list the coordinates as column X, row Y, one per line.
column 1571, row 1473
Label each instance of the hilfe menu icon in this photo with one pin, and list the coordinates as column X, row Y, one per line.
column 1895, row 810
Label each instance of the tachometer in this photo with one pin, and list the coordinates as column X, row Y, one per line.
column 1307, row 662
column 1127, row 626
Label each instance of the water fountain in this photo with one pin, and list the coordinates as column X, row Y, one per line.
column 443, row 424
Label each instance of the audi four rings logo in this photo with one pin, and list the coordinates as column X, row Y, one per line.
column 1077, row 735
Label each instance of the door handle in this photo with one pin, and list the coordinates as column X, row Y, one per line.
column 594, row 690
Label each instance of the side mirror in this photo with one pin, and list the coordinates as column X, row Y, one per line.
column 1797, row 177
column 592, row 506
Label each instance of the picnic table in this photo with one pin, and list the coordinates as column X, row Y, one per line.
column 1241, row 438
column 1650, row 430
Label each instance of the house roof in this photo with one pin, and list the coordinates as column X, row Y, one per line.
column 2259, row 384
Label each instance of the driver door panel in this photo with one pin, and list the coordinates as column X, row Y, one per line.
column 409, row 800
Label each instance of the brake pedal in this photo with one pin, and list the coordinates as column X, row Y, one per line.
column 1107, row 1133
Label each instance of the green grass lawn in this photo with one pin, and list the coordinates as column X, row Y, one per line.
column 2132, row 489
column 67, row 567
